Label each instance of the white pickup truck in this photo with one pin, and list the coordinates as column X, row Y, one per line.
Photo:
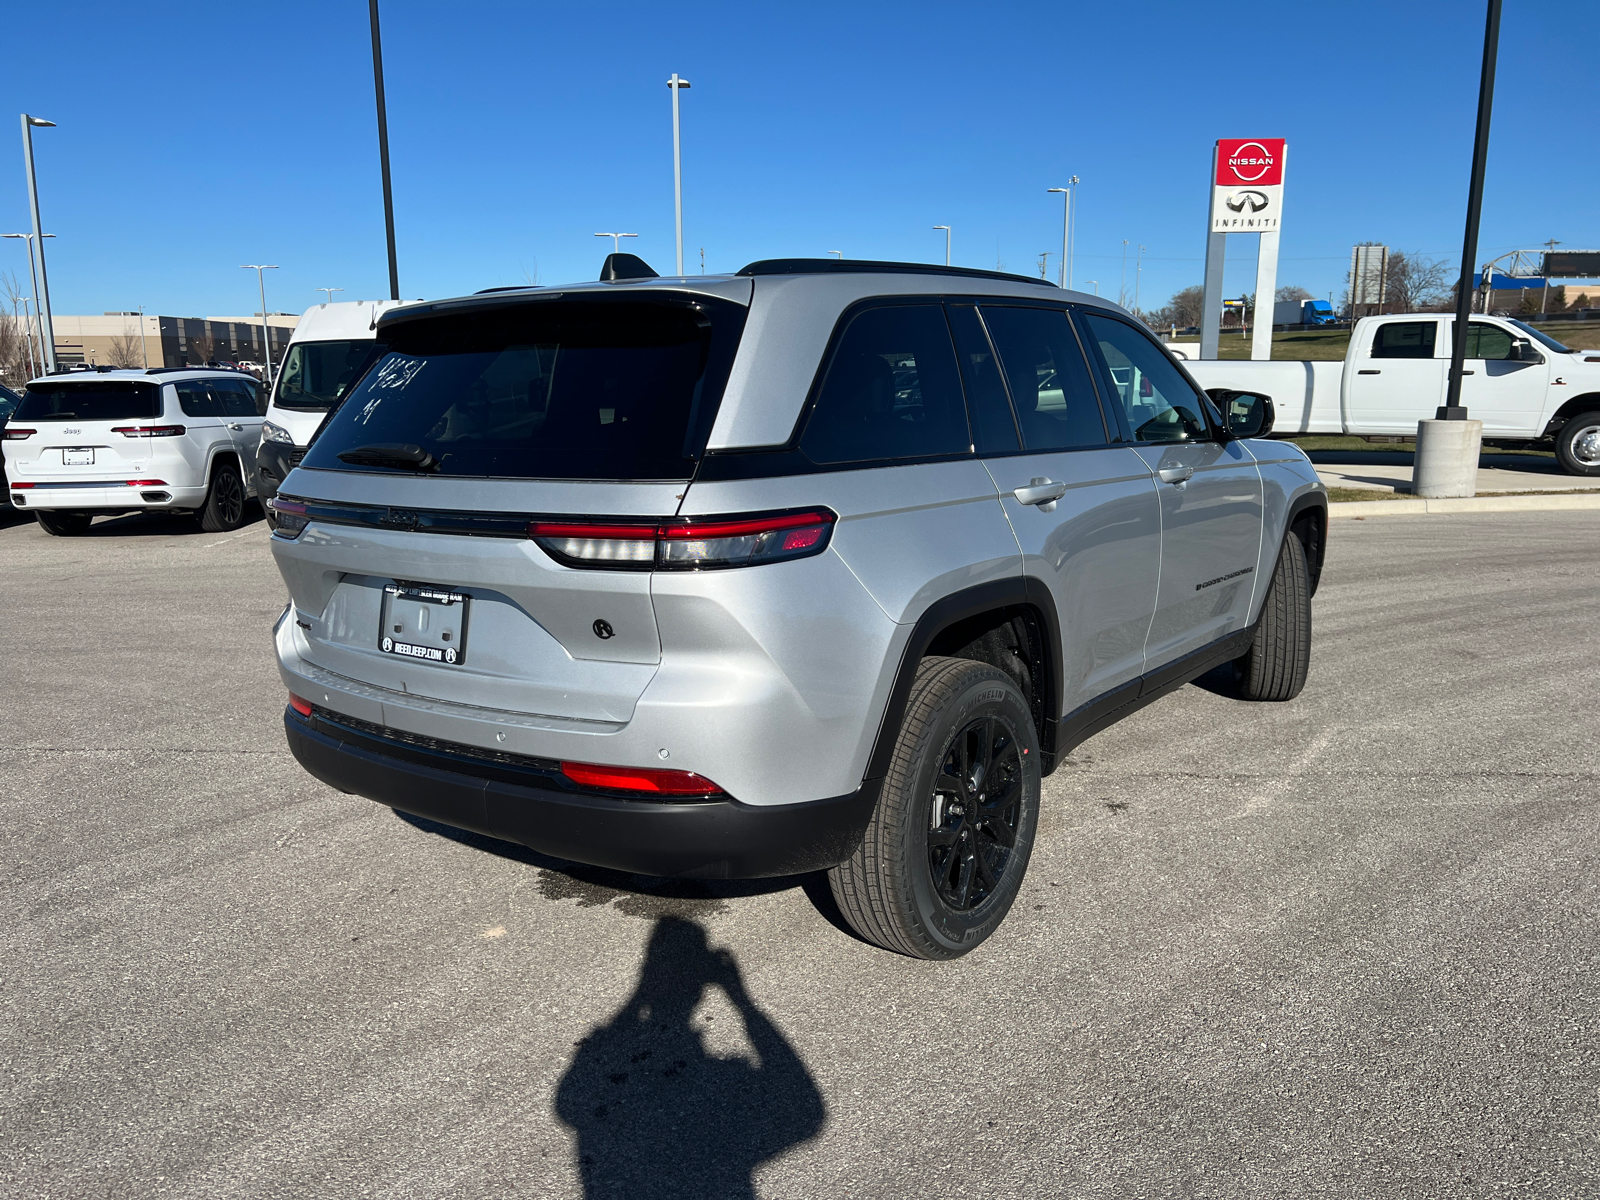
column 1527, row 388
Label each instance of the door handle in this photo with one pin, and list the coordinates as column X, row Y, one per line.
column 1041, row 491
column 1369, row 372
column 1178, row 475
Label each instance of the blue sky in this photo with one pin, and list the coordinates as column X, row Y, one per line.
column 195, row 137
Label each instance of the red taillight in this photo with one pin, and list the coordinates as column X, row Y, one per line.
column 149, row 430
column 640, row 779
column 12, row 434
column 147, row 483
column 20, row 486
column 300, row 704
column 290, row 516
column 687, row 543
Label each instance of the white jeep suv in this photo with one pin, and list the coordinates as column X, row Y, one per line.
column 175, row 439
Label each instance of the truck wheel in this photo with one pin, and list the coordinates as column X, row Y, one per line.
column 1276, row 665
column 1578, row 445
column 945, row 852
column 63, row 524
column 224, row 505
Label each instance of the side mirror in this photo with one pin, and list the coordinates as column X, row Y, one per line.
column 1527, row 352
column 1244, row 414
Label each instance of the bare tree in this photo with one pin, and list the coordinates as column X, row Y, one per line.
column 1291, row 292
column 16, row 364
column 1184, row 309
column 202, row 349
column 1414, row 283
column 126, row 350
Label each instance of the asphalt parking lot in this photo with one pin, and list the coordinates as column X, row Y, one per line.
column 1342, row 947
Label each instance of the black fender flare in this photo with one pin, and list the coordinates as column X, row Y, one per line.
column 1021, row 591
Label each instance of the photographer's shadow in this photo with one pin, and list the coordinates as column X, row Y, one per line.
column 658, row 1116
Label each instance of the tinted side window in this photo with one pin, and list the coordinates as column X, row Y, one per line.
column 994, row 431
column 1406, row 339
column 238, row 397
column 1160, row 404
column 891, row 390
column 198, row 399
column 1050, row 384
column 1489, row 341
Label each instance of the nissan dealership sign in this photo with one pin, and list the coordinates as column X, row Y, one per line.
column 1247, row 195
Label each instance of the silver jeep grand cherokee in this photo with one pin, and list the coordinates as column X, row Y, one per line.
column 822, row 565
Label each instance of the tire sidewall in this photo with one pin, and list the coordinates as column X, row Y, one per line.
column 952, row 931
column 213, row 518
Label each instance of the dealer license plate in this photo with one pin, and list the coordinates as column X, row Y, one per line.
column 78, row 456
column 424, row 623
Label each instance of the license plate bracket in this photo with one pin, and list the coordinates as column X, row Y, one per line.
column 424, row 623
column 77, row 456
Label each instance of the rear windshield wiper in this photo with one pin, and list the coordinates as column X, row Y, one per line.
column 403, row 456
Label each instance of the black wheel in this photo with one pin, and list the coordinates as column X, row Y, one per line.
column 946, row 850
column 224, row 506
column 1276, row 665
column 63, row 524
column 1578, row 445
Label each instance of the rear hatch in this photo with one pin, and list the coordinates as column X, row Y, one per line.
column 75, row 433
column 411, row 564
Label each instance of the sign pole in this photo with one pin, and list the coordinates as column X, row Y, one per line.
column 1216, row 251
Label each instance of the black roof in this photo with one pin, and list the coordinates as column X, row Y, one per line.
column 859, row 266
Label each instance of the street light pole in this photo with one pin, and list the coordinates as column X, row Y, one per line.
column 1066, row 223
column 946, row 229
column 1138, row 277
column 27, row 326
column 266, row 340
column 1452, row 409
column 616, row 240
column 1095, row 283
column 1072, row 231
column 41, row 285
column 144, row 349
column 383, row 156
column 329, row 291
column 839, row 254
column 677, row 85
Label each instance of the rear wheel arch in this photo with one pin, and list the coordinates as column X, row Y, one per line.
column 1010, row 624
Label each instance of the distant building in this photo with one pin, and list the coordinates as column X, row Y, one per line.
column 115, row 338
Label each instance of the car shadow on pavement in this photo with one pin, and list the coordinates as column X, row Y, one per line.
column 160, row 524
column 656, row 1113
column 648, row 897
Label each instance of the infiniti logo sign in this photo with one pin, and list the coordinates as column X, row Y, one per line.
column 1247, row 202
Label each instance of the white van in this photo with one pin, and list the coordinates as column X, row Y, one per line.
column 331, row 345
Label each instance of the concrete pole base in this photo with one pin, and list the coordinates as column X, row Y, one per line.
column 1447, row 459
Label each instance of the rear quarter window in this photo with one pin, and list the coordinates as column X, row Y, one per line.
column 891, row 390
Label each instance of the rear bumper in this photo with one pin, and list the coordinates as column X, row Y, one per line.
column 532, row 803
column 110, row 498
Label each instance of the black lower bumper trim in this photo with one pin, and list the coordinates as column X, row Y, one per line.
column 721, row 839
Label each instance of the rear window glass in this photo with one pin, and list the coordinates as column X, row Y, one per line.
column 316, row 375
column 892, row 391
column 1050, row 384
column 1405, row 339
column 103, row 400
column 603, row 389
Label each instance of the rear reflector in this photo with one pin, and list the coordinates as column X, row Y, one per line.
column 640, row 779
column 147, row 483
column 149, row 430
column 18, row 486
column 12, row 434
column 689, row 543
column 300, row 704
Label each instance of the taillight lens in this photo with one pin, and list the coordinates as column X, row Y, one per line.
column 13, row 434
column 648, row 780
column 290, row 516
column 147, row 483
column 149, row 430
column 300, row 704
column 690, row 543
